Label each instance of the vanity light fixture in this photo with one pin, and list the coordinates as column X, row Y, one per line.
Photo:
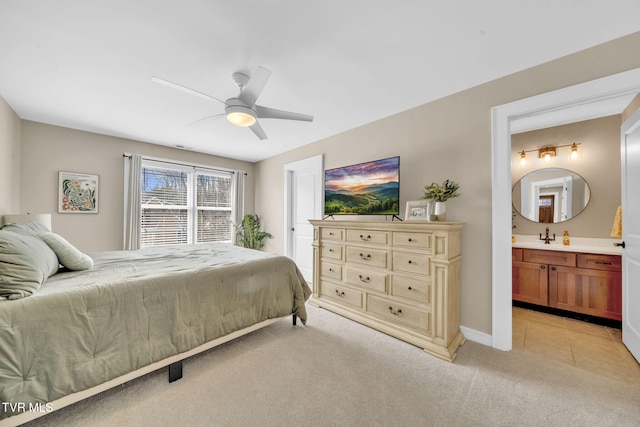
column 574, row 151
column 523, row 158
column 547, row 153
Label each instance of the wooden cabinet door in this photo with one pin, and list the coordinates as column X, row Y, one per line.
column 530, row 282
column 587, row 291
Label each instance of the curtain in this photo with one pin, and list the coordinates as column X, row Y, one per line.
column 132, row 194
column 237, row 212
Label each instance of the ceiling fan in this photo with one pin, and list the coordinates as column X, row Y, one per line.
column 243, row 110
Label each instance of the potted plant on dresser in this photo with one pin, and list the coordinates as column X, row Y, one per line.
column 440, row 193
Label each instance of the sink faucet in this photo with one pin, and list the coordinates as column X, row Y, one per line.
column 547, row 239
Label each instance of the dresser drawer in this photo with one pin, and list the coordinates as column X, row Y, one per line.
column 373, row 280
column 549, row 257
column 341, row 293
column 399, row 312
column 600, row 262
column 411, row 262
column 332, row 271
column 412, row 240
column 416, row 289
column 332, row 233
column 368, row 236
column 331, row 251
column 368, row 256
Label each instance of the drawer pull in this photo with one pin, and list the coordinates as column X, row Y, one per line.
column 364, row 279
column 365, row 257
column 395, row 312
column 330, row 250
column 331, row 233
column 410, row 288
column 409, row 262
column 604, row 262
column 411, row 240
column 365, row 238
column 331, row 270
column 339, row 293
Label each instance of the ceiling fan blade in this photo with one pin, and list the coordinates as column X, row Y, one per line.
column 184, row 89
column 272, row 113
column 253, row 89
column 206, row 119
column 257, row 129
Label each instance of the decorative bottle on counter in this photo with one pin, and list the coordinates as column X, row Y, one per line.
column 565, row 238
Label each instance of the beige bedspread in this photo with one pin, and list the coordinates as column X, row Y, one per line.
column 134, row 308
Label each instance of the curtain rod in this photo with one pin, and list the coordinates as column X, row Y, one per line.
column 128, row 156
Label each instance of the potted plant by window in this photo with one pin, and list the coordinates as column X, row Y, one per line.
column 440, row 193
column 248, row 232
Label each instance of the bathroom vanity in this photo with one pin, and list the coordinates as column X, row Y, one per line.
column 584, row 277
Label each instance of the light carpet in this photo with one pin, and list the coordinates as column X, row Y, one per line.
column 335, row 372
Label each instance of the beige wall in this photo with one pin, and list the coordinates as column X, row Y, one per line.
column 598, row 164
column 9, row 159
column 447, row 138
column 47, row 149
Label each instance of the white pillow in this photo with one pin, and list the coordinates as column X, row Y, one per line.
column 68, row 255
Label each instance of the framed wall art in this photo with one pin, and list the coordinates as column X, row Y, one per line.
column 77, row 192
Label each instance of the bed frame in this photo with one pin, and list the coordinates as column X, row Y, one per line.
column 175, row 373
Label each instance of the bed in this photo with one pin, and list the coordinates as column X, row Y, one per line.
column 85, row 330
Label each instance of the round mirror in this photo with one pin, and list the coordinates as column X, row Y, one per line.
column 550, row 195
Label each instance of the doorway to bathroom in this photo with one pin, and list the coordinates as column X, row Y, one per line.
column 581, row 97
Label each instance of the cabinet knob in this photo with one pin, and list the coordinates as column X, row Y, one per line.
column 409, row 261
column 543, row 267
column 411, row 240
column 553, row 269
column 410, row 288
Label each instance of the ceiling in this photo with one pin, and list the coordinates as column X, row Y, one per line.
column 88, row 65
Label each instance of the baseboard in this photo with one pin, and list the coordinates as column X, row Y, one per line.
column 477, row 336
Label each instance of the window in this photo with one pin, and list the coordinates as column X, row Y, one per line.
column 183, row 204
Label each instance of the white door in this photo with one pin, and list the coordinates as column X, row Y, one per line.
column 631, row 234
column 303, row 188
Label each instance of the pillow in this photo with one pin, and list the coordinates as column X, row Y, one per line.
column 25, row 263
column 67, row 254
column 32, row 228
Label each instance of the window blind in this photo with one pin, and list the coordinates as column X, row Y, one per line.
column 181, row 204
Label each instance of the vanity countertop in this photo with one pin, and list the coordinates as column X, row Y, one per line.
column 578, row 244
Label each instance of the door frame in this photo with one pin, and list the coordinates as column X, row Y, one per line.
column 315, row 163
column 624, row 83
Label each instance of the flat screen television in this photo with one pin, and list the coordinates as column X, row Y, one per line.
column 369, row 188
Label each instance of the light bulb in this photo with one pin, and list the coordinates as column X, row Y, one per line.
column 574, row 151
column 523, row 159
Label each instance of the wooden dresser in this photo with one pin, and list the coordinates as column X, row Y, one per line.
column 401, row 278
column 584, row 283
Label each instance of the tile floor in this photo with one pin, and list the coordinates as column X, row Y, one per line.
column 594, row 348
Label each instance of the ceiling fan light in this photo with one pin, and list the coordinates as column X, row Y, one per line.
column 240, row 115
